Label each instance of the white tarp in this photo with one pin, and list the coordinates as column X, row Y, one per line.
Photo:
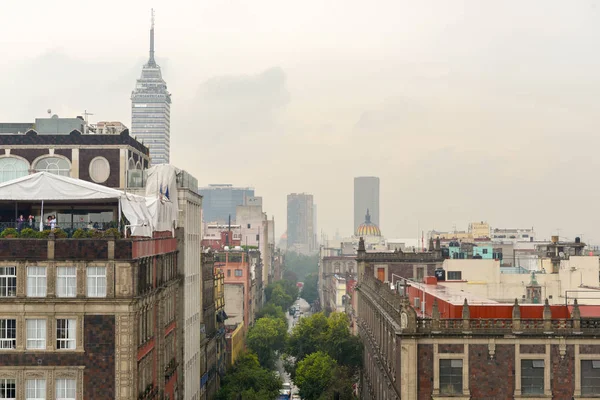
column 161, row 196
column 44, row 186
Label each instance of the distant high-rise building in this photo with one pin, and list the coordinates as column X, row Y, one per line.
column 151, row 109
column 301, row 235
column 220, row 201
column 366, row 197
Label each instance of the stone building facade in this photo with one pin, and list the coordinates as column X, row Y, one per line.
column 409, row 356
column 330, row 269
column 89, row 318
column 208, row 344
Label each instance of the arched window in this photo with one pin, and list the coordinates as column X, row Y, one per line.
column 12, row 168
column 54, row 165
column 131, row 164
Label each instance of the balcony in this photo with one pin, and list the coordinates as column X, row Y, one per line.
column 85, row 249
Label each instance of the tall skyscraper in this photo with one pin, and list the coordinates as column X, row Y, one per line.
column 220, row 201
column 151, row 109
column 301, row 233
column 366, row 196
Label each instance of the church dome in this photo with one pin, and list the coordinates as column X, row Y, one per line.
column 368, row 228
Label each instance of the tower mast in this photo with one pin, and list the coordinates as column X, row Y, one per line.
column 151, row 60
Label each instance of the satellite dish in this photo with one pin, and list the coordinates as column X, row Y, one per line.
column 49, row 111
column 561, row 254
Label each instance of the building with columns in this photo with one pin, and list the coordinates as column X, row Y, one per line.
column 428, row 341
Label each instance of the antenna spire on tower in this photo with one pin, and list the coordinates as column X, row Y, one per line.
column 151, row 60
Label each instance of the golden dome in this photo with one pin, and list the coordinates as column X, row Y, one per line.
column 368, row 228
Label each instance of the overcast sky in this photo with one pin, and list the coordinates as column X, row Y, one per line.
column 466, row 110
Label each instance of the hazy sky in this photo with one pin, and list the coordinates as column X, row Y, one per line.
column 466, row 110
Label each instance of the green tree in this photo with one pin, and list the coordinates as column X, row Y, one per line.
column 248, row 380
column 341, row 384
column 314, row 375
column 344, row 347
column 280, row 298
column 271, row 310
column 267, row 336
column 310, row 290
column 301, row 264
column 308, row 336
column 281, row 293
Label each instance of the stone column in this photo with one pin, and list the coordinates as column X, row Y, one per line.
column 125, row 356
column 466, row 316
column 547, row 317
column 516, row 317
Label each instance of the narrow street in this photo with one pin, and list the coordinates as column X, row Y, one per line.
column 305, row 309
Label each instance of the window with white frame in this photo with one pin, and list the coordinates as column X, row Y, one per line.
column 451, row 377
column 96, row 281
column 54, row 165
column 12, row 168
column 532, row 376
column 8, row 334
column 66, row 389
column 8, row 389
column 36, row 334
column 36, row 281
column 66, row 330
column 66, row 281
column 590, row 377
column 35, row 389
column 8, row 281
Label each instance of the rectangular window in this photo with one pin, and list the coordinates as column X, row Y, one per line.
column 590, row 377
column 238, row 272
column 532, row 376
column 485, row 251
column 66, row 281
column 65, row 334
column 66, row 389
column 8, row 334
column 8, row 281
column 36, row 334
column 420, row 273
column 36, row 281
column 96, row 281
column 8, row 389
column 451, row 377
column 145, row 372
column 35, row 389
column 229, row 273
column 454, row 275
column 249, row 226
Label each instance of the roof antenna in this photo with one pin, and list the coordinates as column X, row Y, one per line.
column 151, row 61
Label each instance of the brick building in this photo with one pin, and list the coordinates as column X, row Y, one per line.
column 102, row 317
column 88, row 318
column 208, row 344
column 113, row 160
column 422, row 341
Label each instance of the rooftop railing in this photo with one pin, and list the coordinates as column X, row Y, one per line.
column 394, row 306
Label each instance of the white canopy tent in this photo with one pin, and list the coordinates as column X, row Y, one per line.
column 44, row 186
